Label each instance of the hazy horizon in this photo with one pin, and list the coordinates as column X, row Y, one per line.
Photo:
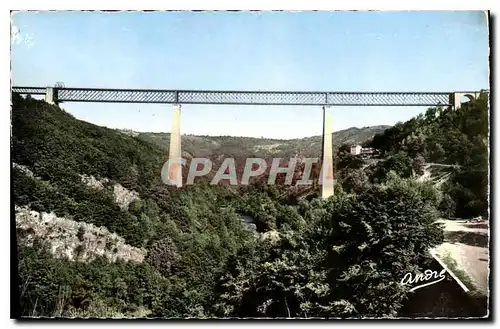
column 242, row 136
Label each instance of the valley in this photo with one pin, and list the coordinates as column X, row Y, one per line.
column 94, row 219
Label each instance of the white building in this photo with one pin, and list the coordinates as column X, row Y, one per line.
column 356, row 149
column 363, row 151
column 367, row 150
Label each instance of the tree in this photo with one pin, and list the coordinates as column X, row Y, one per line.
column 400, row 163
column 347, row 262
column 164, row 256
column 447, row 206
column 354, row 180
column 419, row 165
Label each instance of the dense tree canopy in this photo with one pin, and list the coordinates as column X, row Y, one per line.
column 446, row 136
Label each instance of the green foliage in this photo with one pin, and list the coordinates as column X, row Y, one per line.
column 164, row 256
column 446, row 136
column 419, row 165
column 57, row 287
column 400, row 163
column 469, row 190
column 447, row 206
column 341, row 257
column 346, row 262
column 201, row 228
column 354, row 180
column 56, row 147
column 345, row 160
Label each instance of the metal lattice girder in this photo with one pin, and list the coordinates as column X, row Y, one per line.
column 245, row 97
column 115, row 96
column 252, row 98
column 389, row 99
column 30, row 90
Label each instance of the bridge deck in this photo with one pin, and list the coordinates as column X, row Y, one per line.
column 242, row 97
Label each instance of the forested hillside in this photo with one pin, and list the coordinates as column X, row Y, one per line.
column 107, row 238
column 186, row 232
column 456, row 137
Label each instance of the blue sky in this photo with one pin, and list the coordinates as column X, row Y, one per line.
column 325, row 51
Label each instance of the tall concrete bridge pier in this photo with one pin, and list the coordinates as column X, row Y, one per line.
column 327, row 181
column 175, row 152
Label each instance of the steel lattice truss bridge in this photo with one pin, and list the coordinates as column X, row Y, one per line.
column 173, row 170
column 242, row 97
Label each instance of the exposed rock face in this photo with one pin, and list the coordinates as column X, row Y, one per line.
column 426, row 176
column 123, row 197
column 129, row 132
column 77, row 241
column 249, row 224
column 24, row 169
column 94, row 182
column 273, row 236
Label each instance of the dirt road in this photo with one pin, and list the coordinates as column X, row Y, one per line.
column 466, row 243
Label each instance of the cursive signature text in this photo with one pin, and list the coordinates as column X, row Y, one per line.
column 408, row 279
